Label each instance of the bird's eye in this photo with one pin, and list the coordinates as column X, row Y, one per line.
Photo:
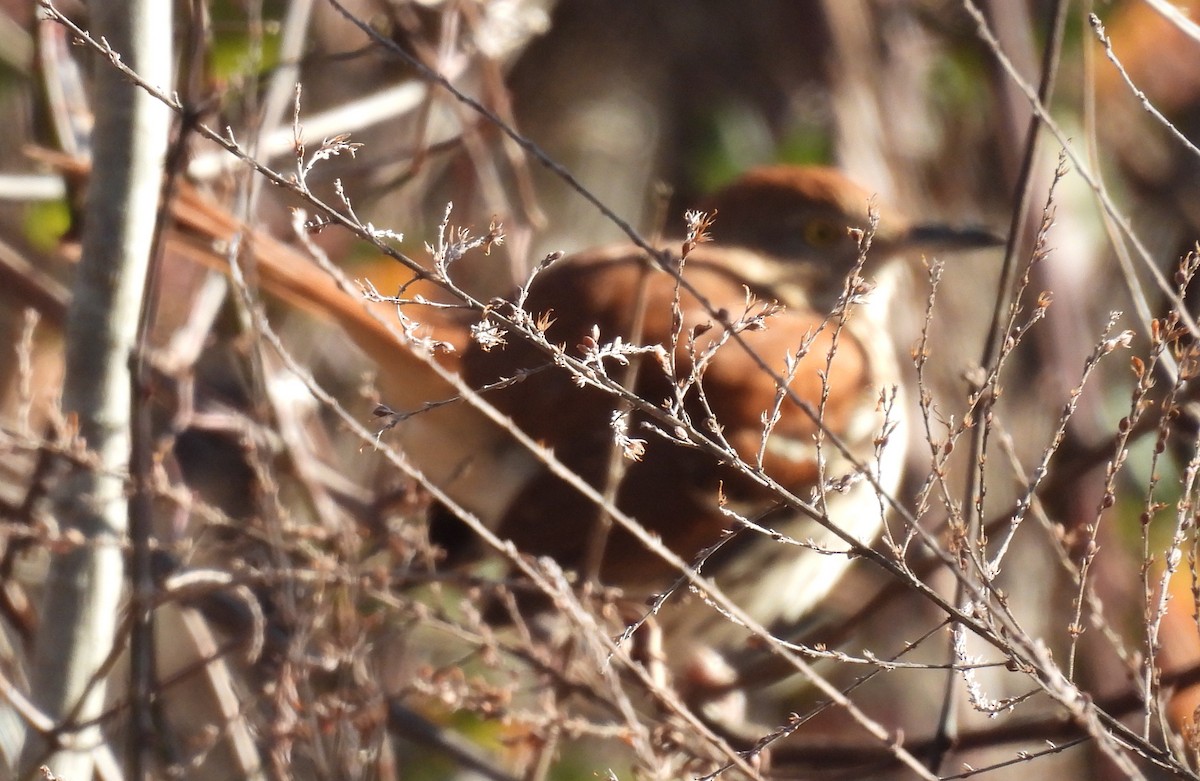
column 820, row 232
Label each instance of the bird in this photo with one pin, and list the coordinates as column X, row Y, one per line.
column 786, row 237
column 803, row 264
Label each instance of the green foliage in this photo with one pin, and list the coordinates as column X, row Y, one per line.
column 231, row 55
column 806, row 144
column 955, row 82
column 46, row 222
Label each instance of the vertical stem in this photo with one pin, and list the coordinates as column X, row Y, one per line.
column 84, row 586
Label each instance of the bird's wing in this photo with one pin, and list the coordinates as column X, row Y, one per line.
column 831, row 370
column 673, row 489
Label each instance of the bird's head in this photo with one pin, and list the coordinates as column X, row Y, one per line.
column 803, row 220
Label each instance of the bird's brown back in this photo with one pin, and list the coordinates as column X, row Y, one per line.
column 673, row 490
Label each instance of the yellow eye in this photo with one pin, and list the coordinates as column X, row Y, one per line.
column 819, row 232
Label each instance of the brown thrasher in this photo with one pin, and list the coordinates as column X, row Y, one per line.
column 785, row 235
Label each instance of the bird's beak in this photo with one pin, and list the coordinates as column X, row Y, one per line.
column 940, row 238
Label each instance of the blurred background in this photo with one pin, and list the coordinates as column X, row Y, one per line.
column 373, row 666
